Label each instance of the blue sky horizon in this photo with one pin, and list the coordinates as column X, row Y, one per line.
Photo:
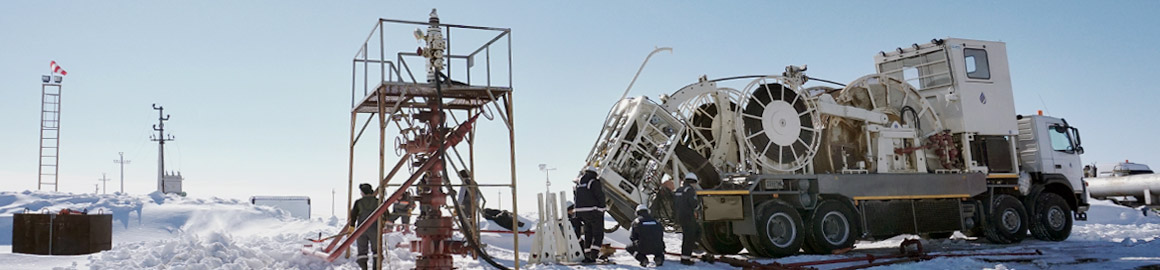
column 259, row 91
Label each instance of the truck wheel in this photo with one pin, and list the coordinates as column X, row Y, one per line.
column 832, row 226
column 779, row 231
column 1051, row 218
column 718, row 238
column 1006, row 220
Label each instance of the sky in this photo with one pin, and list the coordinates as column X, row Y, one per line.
column 259, row 91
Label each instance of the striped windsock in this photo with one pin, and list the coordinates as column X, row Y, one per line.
column 56, row 69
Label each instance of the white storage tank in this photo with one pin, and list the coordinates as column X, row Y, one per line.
column 297, row 206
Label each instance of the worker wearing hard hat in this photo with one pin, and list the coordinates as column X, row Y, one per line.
column 686, row 204
column 363, row 207
column 648, row 238
column 575, row 222
column 589, row 193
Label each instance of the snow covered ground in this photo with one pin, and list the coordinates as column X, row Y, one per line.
column 167, row 232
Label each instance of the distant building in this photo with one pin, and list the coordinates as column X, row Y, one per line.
column 297, row 206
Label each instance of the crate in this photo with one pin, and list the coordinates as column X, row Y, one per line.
column 52, row 234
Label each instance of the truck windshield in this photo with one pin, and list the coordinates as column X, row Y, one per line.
column 1060, row 140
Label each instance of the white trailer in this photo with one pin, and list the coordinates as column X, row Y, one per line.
column 930, row 144
column 296, row 206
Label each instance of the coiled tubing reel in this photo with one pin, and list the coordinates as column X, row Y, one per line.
column 778, row 125
column 846, row 142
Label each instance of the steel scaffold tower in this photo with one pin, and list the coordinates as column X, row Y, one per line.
column 434, row 121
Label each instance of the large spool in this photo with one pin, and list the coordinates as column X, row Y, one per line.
column 778, row 125
column 710, row 112
column 845, row 142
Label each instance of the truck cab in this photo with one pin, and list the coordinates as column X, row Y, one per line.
column 1049, row 153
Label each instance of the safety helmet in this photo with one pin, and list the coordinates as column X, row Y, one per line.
column 691, row 177
column 590, row 169
column 641, row 207
column 569, row 205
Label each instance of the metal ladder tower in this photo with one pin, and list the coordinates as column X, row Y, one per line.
column 49, row 161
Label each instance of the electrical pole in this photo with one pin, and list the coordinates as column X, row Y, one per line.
column 122, row 161
column 160, row 139
column 106, row 183
column 332, row 202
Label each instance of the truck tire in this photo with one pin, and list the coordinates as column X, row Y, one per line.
column 718, row 238
column 779, row 231
column 832, row 226
column 1051, row 218
column 1006, row 220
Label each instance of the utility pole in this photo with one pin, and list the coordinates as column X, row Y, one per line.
column 160, row 139
column 332, row 202
column 106, row 183
column 122, row 161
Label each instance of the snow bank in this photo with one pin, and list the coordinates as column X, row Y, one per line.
column 121, row 207
column 159, row 231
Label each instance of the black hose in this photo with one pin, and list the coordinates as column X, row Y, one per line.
column 825, row 81
column 917, row 124
column 458, row 211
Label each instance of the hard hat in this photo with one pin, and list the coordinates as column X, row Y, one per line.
column 590, row 169
column 570, row 204
column 641, row 207
column 691, row 176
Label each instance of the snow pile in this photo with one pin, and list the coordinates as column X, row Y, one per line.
column 121, row 207
column 157, row 231
column 181, row 233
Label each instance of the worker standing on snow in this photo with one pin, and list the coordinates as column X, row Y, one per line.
column 358, row 215
column 648, row 238
column 686, row 205
column 589, row 195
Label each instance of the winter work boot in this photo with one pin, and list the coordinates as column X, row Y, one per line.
column 589, row 257
column 643, row 263
column 362, row 264
column 686, row 261
column 660, row 260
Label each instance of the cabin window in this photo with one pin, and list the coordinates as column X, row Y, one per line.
column 977, row 67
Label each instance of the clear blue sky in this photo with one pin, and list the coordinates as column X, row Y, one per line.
column 259, row 90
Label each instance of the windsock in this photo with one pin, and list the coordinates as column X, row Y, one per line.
column 56, row 68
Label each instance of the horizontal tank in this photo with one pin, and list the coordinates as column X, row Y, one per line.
column 1141, row 186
